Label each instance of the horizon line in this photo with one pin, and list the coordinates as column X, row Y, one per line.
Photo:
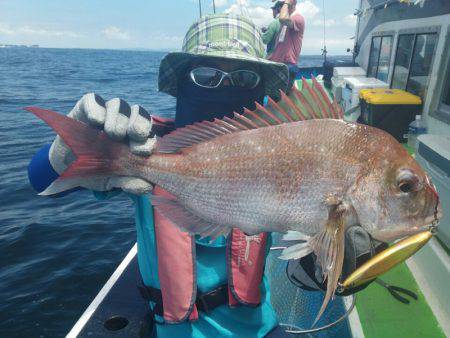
column 135, row 49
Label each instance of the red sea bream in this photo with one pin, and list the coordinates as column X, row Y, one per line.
column 293, row 166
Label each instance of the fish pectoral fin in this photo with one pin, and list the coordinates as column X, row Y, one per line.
column 186, row 220
column 295, row 236
column 328, row 246
column 297, row 250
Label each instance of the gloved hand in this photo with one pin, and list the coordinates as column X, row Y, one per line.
column 120, row 122
column 359, row 248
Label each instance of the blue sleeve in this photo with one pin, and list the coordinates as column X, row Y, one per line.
column 40, row 172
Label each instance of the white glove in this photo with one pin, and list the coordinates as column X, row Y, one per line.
column 120, row 122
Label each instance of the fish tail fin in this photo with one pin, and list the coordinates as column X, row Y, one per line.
column 96, row 154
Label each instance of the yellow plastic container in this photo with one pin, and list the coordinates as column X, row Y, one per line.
column 381, row 96
column 389, row 109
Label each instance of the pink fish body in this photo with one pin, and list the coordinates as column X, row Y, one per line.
column 276, row 178
column 293, row 166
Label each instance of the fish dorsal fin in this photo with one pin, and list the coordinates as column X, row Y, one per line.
column 311, row 102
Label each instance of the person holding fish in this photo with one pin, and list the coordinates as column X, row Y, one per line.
column 209, row 194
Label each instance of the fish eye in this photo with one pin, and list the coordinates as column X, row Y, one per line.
column 407, row 182
column 406, row 186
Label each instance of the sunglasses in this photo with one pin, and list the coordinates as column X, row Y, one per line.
column 208, row 77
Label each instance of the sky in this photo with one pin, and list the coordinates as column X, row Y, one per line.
column 156, row 24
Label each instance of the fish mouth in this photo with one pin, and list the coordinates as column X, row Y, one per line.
column 390, row 235
column 430, row 223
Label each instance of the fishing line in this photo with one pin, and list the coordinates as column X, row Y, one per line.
column 294, row 329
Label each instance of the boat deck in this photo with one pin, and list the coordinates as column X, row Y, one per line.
column 382, row 315
column 119, row 309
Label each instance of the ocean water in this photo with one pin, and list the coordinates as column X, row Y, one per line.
column 56, row 253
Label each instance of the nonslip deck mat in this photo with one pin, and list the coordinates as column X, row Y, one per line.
column 381, row 315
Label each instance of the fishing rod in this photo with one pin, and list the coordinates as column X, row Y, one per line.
column 355, row 45
column 324, row 50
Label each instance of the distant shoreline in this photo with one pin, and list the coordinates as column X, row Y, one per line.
column 4, row 46
column 18, row 46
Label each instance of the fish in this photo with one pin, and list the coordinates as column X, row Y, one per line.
column 292, row 166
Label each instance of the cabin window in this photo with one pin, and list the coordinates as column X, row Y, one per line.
column 373, row 58
column 421, row 64
column 380, row 57
column 413, row 62
column 402, row 60
column 385, row 58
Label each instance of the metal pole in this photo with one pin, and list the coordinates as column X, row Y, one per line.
column 200, row 7
column 355, row 45
column 214, row 6
column 324, row 50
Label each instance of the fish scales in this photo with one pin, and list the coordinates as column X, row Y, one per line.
column 247, row 178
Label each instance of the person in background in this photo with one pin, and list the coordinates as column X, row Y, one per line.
column 270, row 34
column 289, row 43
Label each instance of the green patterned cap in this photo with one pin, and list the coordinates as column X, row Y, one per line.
column 227, row 37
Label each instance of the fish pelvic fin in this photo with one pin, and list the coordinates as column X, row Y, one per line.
column 329, row 247
column 311, row 102
column 186, row 220
column 96, row 153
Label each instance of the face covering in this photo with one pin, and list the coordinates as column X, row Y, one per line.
column 195, row 104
